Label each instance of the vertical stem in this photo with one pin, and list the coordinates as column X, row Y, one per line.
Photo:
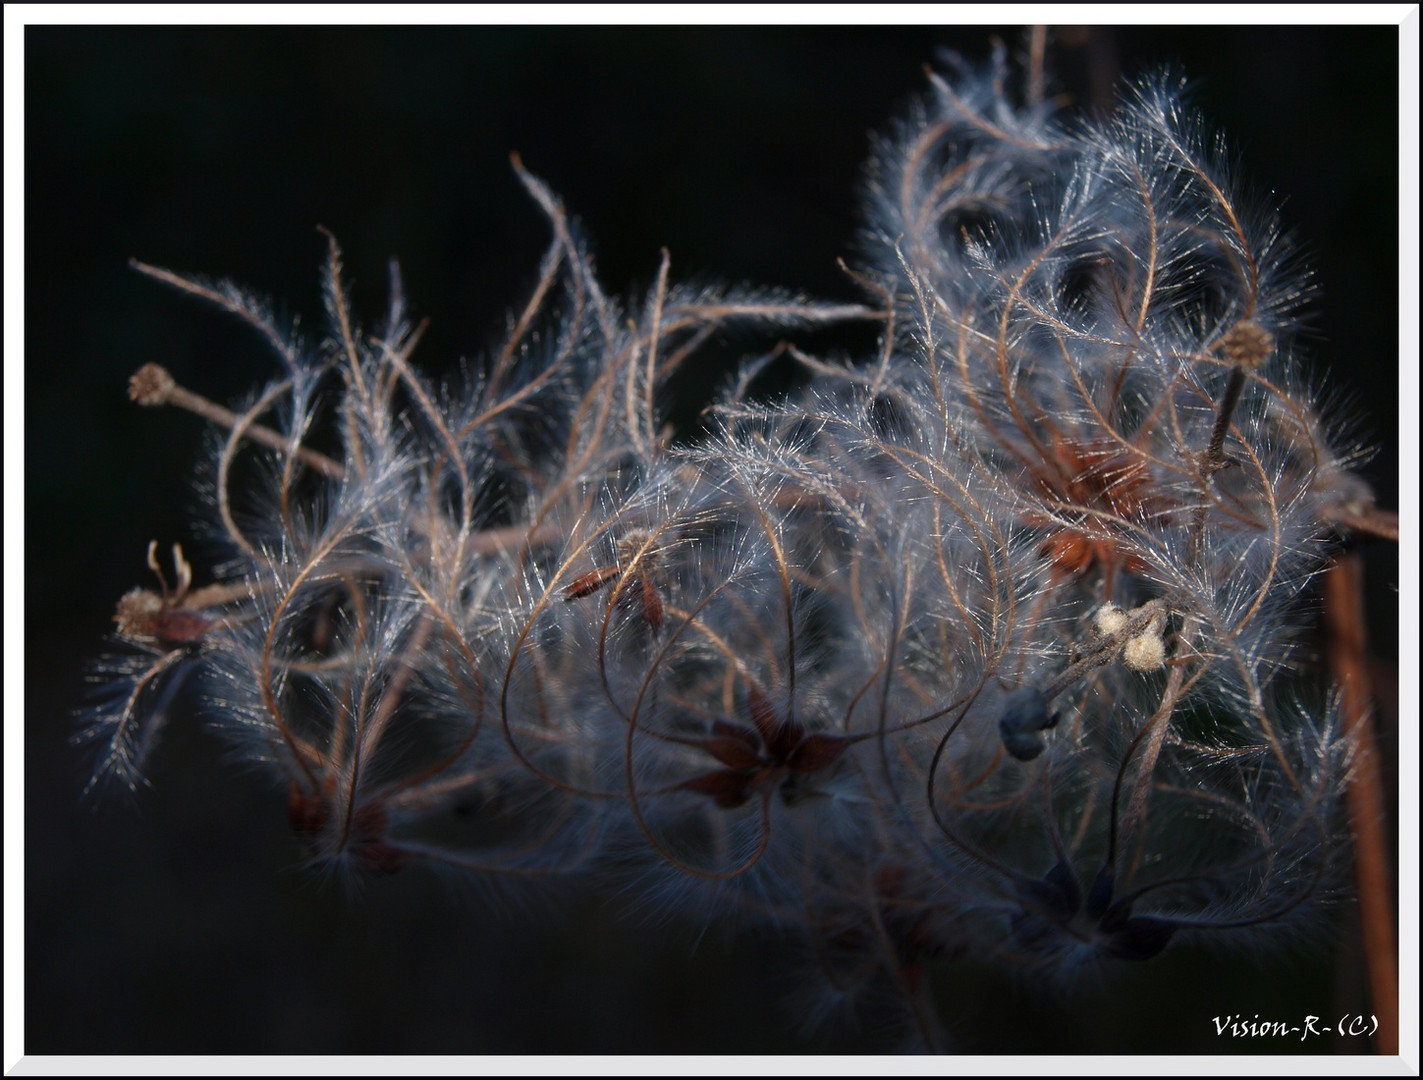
column 1213, row 460
column 1037, row 49
column 1344, row 621
column 1215, row 452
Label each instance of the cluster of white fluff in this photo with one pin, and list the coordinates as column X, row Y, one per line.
column 971, row 646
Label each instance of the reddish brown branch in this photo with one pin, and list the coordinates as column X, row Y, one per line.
column 1344, row 619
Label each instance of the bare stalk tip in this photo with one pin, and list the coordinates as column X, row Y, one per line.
column 1247, row 345
column 151, row 385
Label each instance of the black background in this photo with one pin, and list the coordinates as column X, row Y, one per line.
column 182, row 923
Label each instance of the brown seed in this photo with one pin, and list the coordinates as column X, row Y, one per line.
column 589, row 583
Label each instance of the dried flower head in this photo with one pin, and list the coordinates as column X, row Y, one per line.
column 847, row 663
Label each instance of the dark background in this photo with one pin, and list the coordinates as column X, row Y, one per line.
column 181, row 922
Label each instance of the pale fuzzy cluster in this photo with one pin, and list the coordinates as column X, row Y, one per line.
column 971, row 646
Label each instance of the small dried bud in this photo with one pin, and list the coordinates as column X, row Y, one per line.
column 1110, row 619
column 1145, row 652
column 632, row 542
column 151, row 385
column 1247, row 345
column 143, row 615
column 138, row 612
